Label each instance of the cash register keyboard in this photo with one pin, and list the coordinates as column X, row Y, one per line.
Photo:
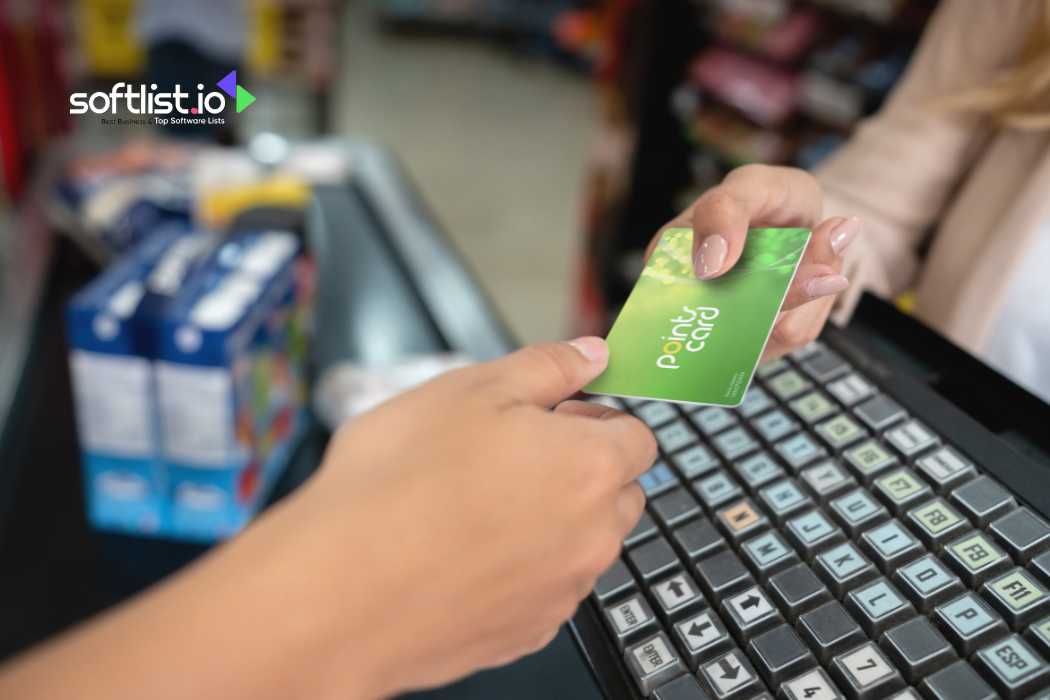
column 818, row 542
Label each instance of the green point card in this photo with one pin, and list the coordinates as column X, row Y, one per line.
column 682, row 339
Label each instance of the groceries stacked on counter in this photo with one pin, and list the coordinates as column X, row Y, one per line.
column 189, row 351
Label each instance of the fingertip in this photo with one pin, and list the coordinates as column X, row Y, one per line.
column 594, row 349
column 710, row 258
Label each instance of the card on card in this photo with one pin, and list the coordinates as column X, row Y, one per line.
column 679, row 338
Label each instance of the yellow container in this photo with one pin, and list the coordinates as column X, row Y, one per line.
column 107, row 38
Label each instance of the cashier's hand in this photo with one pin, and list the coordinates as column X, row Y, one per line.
column 763, row 195
column 483, row 517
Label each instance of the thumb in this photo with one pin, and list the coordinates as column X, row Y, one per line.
column 548, row 373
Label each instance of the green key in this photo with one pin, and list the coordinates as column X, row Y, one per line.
column 936, row 523
column 812, row 407
column 1019, row 597
column 788, row 384
column 840, row 431
column 975, row 558
column 901, row 488
column 869, row 458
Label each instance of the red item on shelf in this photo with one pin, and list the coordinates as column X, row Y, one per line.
column 764, row 94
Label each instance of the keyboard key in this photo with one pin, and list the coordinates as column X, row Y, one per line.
column 1038, row 635
column 936, row 523
column 735, row 442
column 1018, row 597
column 829, row 630
column 741, row 520
column 877, row 606
column 917, row 649
column 675, row 507
column 1022, row 533
column 630, row 619
column 757, row 470
column 983, row 500
column 653, row 662
column 674, row 436
column 879, row 412
column 945, row 469
column 799, row 450
column 653, row 559
column 857, row 511
column 784, row 498
column 788, row 385
column 1012, row 667
column 826, row 480
column 681, row 688
column 614, row 583
column 975, row 558
column 749, row 613
column 890, row 546
column 1040, row 566
column 812, row 532
column 824, row 365
column 722, row 574
column 645, row 529
column 868, row 459
column 957, row 682
column 900, row 489
column 812, row 407
column 968, row 623
column 851, row 389
column 774, row 425
column 710, row 421
column 770, row 367
column 797, row 590
column 697, row 539
column 675, row 596
column 840, row 432
column 865, row 673
column 716, row 489
column 695, row 461
column 844, row 568
column 702, row 637
column 658, row 479
column 731, row 676
column 780, row 655
column 755, row 401
column 911, row 438
column 656, row 413
column 927, row 583
column 767, row 554
column 807, row 350
column 813, row 685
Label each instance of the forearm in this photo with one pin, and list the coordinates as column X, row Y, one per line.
column 253, row 620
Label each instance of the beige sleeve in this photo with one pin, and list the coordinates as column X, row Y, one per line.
column 901, row 166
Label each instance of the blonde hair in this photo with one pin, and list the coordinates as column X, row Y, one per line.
column 1019, row 98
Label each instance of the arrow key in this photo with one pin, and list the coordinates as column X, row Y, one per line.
column 749, row 613
column 675, row 596
column 730, row 676
column 702, row 637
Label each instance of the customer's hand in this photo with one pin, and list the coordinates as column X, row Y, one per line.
column 481, row 517
column 763, row 195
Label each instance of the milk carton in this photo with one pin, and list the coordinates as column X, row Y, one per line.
column 230, row 382
column 113, row 329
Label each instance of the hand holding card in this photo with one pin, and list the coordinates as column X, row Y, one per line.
column 679, row 338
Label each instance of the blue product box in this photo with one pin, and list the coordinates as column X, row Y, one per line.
column 112, row 331
column 230, row 383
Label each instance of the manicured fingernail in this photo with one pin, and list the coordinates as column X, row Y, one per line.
column 826, row 286
column 844, row 233
column 593, row 348
column 710, row 257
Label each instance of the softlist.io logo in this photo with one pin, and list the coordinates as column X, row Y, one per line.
column 151, row 106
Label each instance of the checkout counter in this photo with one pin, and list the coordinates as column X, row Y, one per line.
column 389, row 284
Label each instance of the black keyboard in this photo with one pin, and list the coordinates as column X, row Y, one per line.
column 820, row 541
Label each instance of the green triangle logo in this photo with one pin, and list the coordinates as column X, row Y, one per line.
column 244, row 99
